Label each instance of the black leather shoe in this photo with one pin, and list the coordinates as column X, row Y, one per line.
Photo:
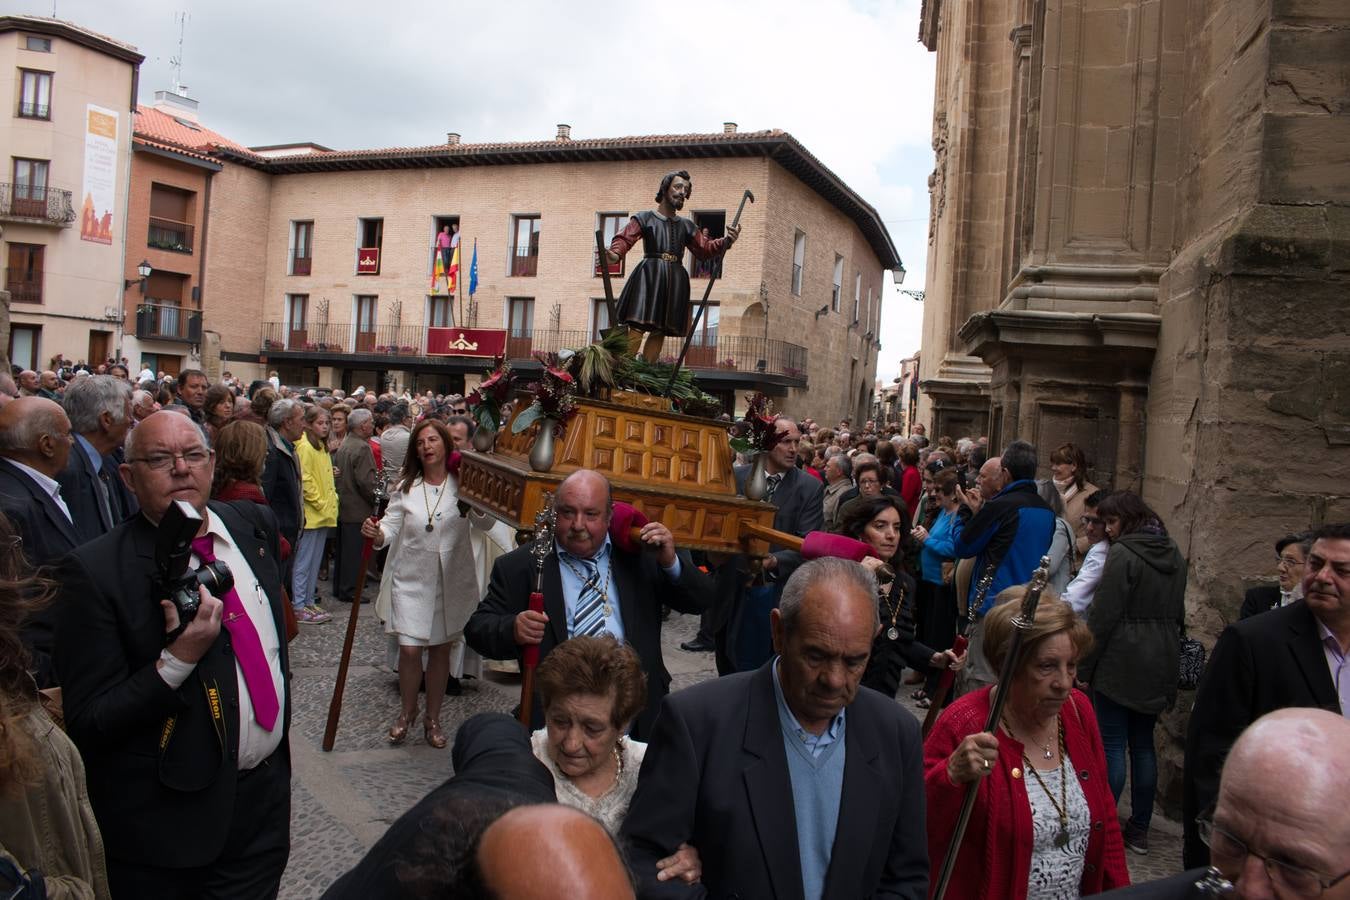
column 698, row 645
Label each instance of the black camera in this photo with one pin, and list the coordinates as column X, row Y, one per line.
column 173, row 549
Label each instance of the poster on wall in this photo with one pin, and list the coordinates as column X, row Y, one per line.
column 100, row 174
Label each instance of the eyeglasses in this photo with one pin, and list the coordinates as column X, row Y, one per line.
column 1287, row 562
column 163, row 462
column 1288, row 878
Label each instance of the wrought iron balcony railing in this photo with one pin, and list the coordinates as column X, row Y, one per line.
column 40, row 205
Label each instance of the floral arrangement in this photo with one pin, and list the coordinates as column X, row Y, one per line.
column 271, row 344
column 485, row 401
column 755, row 433
column 555, row 396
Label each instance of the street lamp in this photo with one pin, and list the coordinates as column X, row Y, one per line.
column 142, row 270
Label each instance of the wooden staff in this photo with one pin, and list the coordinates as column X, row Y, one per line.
column 529, row 654
column 335, row 705
column 1022, row 622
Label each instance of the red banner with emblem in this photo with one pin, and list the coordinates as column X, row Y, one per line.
column 488, row 342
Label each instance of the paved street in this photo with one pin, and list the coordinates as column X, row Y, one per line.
column 343, row 801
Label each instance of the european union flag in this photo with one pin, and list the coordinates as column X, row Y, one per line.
column 473, row 269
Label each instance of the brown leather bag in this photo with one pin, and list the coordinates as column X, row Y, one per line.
column 292, row 626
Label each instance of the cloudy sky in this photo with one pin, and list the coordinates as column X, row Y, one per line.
column 848, row 78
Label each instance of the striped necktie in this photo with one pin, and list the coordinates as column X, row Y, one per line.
column 774, row 481
column 589, row 616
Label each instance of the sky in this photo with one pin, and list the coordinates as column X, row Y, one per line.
column 850, row 80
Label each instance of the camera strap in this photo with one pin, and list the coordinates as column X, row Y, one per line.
column 213, row 704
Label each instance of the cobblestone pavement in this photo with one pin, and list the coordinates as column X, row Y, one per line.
column 342, row 801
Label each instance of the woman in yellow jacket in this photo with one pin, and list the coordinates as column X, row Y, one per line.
column 321, row 504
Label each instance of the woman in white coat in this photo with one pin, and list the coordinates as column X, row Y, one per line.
column 430, row 586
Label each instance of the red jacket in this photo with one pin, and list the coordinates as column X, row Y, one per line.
column 911, row 483
column 995, row 858
column 243, row 490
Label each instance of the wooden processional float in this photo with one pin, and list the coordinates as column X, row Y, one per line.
column 673, row 468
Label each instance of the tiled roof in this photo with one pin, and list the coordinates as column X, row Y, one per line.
column 774, row 144
column 156, row 126
column 72, row 32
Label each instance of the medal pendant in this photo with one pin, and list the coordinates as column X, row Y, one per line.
column 1062, row 837
column 892, row 633
column 430, row 528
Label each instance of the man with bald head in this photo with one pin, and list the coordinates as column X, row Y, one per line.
column 570, row 854
column 29, row 385
column 791, row 781
column 1284, row 836
column 35, row 443
column 592, row 584
column 182, row 725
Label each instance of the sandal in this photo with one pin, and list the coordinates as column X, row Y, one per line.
column 399, row 732
column 918, row 695
column 923, row 703
column 435, row 737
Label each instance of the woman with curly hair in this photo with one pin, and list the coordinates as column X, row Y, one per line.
column 48, row 836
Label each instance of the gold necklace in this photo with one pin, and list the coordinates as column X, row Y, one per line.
column 431, row 510
column 1062, row 807
column 1045, row 748
column 604, row 589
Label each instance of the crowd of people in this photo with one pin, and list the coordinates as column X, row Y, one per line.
column 146, row 701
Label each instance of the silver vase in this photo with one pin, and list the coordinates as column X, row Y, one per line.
column 483, row 439
column 757, row 482
column 541, row 454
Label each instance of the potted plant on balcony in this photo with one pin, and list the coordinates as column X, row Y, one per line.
column 407, row 350
column 485, row 404
column 755, row 435
column 555, row 399
column 271, row 344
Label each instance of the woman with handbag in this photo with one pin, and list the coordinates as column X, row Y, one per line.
column 1137, row 616
column 937, row 562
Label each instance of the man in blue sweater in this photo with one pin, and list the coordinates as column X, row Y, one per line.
column 1007, row 528
column 792, row 781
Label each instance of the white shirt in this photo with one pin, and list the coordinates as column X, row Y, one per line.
column 255, row 742
column 1079, row 592
column 145, row 375
column 48, row 485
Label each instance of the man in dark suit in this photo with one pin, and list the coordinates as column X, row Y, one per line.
column 581, row 580
column 183, row 731
column 355, row 462
column 739, row 622
column 1291, row 559
column 35, row 443
column 99, row 408
column 790, row 781
column 1292, row 656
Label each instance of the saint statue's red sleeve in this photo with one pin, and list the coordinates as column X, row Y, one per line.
column 624, row 240
column 705, row 247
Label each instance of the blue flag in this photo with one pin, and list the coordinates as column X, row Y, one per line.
column 473, row 269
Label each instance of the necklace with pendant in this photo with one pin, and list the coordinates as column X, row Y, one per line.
column 431, row 510
column 1046, row 752
column 1062, row 807
column 604, row 589
column 893, row 632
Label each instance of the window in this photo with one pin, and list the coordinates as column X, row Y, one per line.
column 703, row 347
column 302, row 247
column 37, row 44
column 599, row 317
column 715, row 223
column 367, row 306
column 297, row 321
column 23, row 346
column 857, row 296
column 23, row 278
column 370, row 238
column 30, row 188
column 798, row 260
column 610, row 225
column 35, row 94
column 438, row 223
column 524, row 253
column 440, row 312
column 520, row 327
column 170, row 219
column 838, row 282
column 869, row 310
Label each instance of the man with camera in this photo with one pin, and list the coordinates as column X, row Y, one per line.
column 182, row 723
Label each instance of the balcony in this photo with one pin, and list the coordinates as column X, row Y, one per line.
column 21, row 291
column 167, row 322
column 30, row 110
column 167, row 234
column 740, row 359
column 524, row 261
column 36, row 205
column 300, row 265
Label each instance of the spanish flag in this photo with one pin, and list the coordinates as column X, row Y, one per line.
column 452, row 277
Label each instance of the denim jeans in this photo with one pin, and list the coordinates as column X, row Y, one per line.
column 1123, row 729
column 308, row 556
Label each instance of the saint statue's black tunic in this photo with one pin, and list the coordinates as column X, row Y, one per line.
column 656, row 293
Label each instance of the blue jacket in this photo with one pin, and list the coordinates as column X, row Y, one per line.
column 1011, row 532
column 940, row 546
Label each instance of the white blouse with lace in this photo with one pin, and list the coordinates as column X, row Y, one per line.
column 611, row 806
column 1056, row 872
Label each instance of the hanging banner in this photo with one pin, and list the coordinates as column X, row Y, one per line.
column 100, row 175
column 487, row 342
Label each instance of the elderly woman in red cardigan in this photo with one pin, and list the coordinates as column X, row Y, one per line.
column 1044, row 824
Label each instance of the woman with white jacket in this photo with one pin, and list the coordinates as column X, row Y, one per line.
column 430, row 586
